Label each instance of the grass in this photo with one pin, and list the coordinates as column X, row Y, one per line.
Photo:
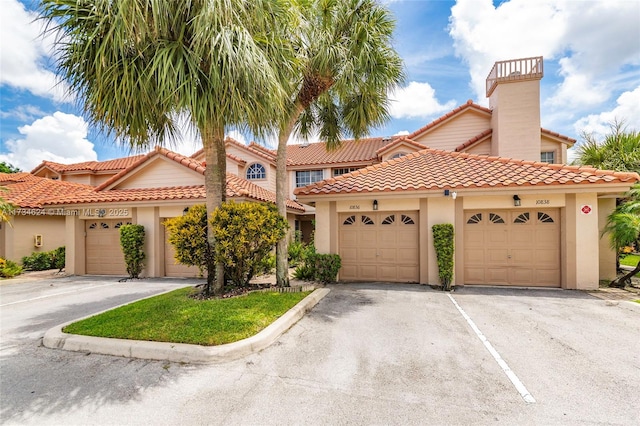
column 637, row 300
column 175, row 317
column 630, row 260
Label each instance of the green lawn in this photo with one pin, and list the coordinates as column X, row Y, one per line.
column 630, row 260
column 175, row 317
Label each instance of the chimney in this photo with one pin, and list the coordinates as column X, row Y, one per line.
column 513, row 89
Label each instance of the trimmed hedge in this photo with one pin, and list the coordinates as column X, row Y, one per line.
column 443, row 242
column 43, row 260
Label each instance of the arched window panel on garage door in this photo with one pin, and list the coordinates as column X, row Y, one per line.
column 495, row 218
column 407, row 220
column 544, row 218
column 349, row 221
column 476, row 218
column 522, row 218
column 389, row 220
column 367, row 220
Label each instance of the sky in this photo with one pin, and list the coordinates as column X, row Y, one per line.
column 591, row 53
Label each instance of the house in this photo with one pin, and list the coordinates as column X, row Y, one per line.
column 521, row 217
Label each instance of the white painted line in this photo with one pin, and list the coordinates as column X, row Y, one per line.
column 528, row 398
column 53, row 295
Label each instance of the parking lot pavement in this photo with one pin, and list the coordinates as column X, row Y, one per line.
column 366, row 354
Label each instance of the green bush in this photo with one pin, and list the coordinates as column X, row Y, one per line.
column 9, row 269
column 132, row 243
column 245, row 234
column 188, row 236
column 296, row 248
column 317, row 267
column 43, row 260
column 266, row 265
column 443, row 242
column 38, row 261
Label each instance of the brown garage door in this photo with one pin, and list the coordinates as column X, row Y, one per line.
column 379, row 247
column 171, row 267
column 103, row 253
column 519, row 247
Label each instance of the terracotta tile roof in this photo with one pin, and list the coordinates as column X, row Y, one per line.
column 28, row 191
column 569, row 140
column 236, row 159
column 432, row 169
column 350, row 151
column 90, row 166
column 477, row 138
column 178, row 158
column 236, row 188
column 270, row 152
column 469, row 104
column 399, row 141
column 254, row 148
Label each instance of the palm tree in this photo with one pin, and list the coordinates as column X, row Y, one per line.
column 348, row 67
column 623, row 227
column 139, row 67
column 619, row 151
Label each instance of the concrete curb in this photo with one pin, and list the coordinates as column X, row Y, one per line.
column 181, row 352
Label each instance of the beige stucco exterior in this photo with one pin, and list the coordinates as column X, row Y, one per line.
column 19, row 237
column 585, row 257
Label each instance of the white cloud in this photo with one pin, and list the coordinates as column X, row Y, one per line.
column 417, row 100
column 591, row 41
column 402, row 133
column 25, row 53
column 627, row 110
column 59, row 137
column 23, row 113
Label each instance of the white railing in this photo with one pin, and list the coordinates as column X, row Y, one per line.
column 515, row 70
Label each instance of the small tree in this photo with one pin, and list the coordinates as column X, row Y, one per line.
column 443, row 242
column 245, row 233
column 188, row 235
column 132, row 243
column 623, row 227
column 8, row 168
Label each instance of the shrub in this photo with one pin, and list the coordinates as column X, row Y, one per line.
column 245, row 233
column 266, row 265
column 188, row 236
column 58, row 258
column 296, row 248
column 132, row 243
column 317, row 267
column 443, row 242
column 9, row 269
column 37, row 261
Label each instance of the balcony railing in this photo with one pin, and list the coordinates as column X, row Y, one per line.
column 514, row 70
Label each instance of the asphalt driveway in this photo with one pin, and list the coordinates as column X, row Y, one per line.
column 366, row 354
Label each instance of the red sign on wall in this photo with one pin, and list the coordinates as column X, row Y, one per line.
column 586, row 209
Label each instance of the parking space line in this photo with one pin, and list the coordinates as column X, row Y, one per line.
column 528, row 398
column 52, row 295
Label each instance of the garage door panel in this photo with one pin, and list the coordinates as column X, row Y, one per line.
column 519, row 247
column 521, row 276
column 497, row 275
column 103, row 255
column 474, row 275
column 379, row 246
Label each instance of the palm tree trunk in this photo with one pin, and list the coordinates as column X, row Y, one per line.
column 626, row 278
column 282, row 193
column 215, row 182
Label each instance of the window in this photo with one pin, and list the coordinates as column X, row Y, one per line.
column 307, row 177
column 256, row 171
column 397, row 155
column 367, row 220
column 344, row 170
column 407, row 220
column 389, row 220
column 349, row 221
column 548, row 157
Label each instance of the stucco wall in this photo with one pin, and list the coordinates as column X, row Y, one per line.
column 20, row 238
column 160, row 173
column 456, row 131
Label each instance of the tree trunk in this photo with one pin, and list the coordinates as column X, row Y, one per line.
column 215, row 182
column 282, row 193
column 626, row 278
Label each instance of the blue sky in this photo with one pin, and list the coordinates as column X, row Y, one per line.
column 591, row 51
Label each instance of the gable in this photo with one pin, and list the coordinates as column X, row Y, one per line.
column 160, row 172
column 450, row 133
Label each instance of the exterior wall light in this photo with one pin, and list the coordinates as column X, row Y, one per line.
column 446, row 192
column 516, row 201
column 454, row 195
column 375, row 204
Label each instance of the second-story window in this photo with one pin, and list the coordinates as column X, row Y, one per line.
column 397, row 155
column 344, row 170
column 548, row 157
column 307, row 177
column 256, row 171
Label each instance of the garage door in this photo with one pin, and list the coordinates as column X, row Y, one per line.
column 173, row 269
column 379, row 247
column 520, row 248
column 103, row 253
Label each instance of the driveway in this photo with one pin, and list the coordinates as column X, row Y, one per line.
column 366, row 354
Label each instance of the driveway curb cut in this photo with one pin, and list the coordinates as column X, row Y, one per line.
column 55, row 338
